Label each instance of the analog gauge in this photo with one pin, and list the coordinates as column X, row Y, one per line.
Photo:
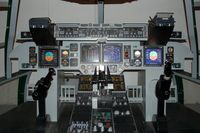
column 82, row 66
column 33, row 60
column 138, row 62
column 170, row 49
column 65, row 53
column 137, row 53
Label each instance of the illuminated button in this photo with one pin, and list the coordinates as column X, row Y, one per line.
column 33, row 60
column 95, row 129
column 114, row 104
column 125, row 103
column 78, row 103
column 116, row 112
column 137, row 53
column 100, row 124
column 88, row 103
column 65, row 53
column 102, row 129
column 75, row 54
column 110, row 129
column 126, row 54
column 127, row 112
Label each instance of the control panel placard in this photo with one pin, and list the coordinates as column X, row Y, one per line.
column 126, row 30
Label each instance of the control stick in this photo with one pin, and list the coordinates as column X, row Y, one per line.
column 40, row 94
column 42, row 85
column 162, row 94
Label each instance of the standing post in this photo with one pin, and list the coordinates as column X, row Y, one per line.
column 100, row 11
column 10, row 34
column 192, row 36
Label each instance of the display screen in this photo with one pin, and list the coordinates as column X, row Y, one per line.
column 112, row 53
column 48, row 57
column 90, row 53
column 153, row 56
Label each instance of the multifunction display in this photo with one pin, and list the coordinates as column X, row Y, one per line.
column 112, row 53
column 90, row 53
column 48, row 57
column 153, row 56
column 107, row 53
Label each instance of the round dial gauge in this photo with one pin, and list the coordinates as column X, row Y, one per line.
column 137, row 53
column 65, row 53
column 170, row 50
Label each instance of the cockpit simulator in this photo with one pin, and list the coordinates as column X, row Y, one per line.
column 102, row 70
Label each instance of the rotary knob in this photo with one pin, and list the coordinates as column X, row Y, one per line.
column 138, row 62
column 127, row 112
column 116, row 112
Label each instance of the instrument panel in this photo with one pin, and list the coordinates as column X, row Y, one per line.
column 84, row 47
column 115, row 55
column 85, row 56
column 80, row 31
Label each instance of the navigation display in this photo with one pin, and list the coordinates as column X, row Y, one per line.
column 112, row 53
column 153, row 56
column 90, row 53
column 48, row 57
